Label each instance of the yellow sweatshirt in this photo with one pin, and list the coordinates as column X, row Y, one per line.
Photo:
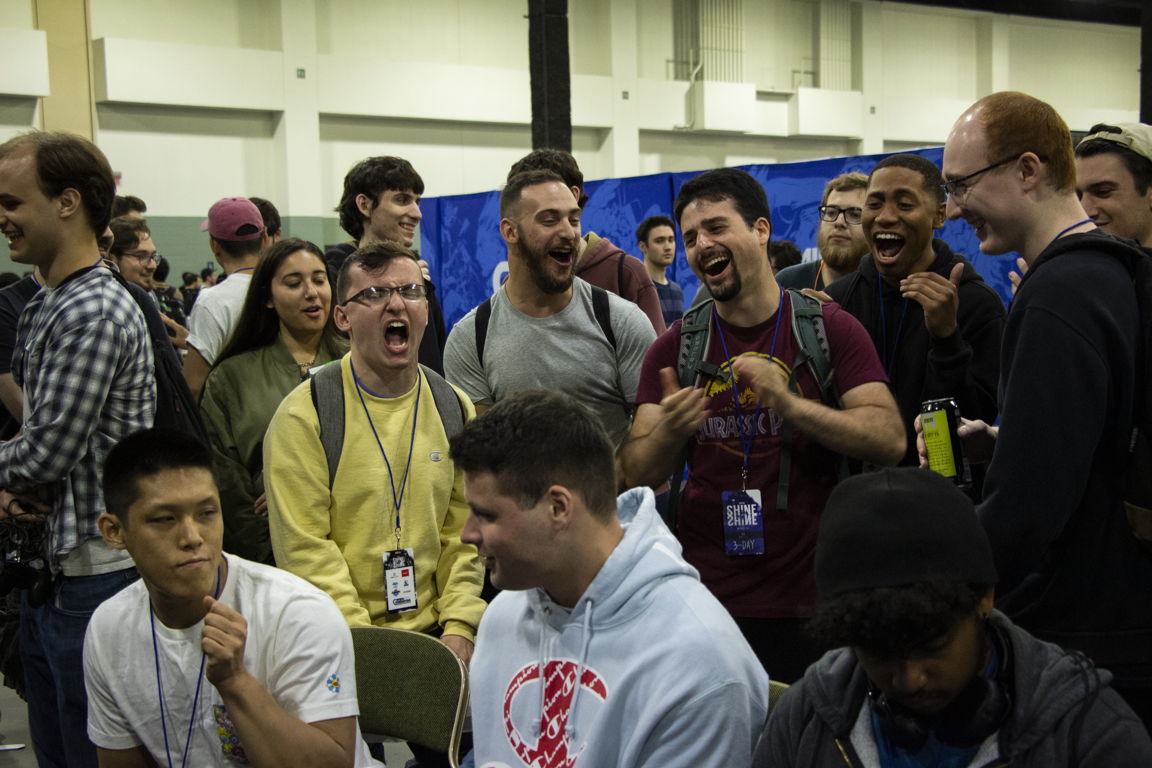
column 336, row 539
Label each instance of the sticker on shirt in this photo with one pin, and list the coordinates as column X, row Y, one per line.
column 743, row 523
column 333, row 683
column 230, row 745
column 399, row 580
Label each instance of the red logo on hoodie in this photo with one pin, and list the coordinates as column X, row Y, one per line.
column 553, row 748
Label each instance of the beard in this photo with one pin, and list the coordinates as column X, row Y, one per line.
column 731, row 286
column 545, row 277
column 842, row 257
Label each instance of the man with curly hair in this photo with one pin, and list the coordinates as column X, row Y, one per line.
column 928, row 672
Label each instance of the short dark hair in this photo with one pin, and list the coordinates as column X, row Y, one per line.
column 126, row 234
column 65, row 161
column 144, row 454
column 206, row 273
column 556, row 160
column 745, row 192
column 932, row 180
column 163, row 267
column 514, row 190
column 268, row 213
column 239, row 249
column 1138, row 166
column 783, row 253
column 373, row 257
column 892, row 622
column 373, row 176
column 650, row 224
column 189, row 278
column 125, row 204
column 535, row 439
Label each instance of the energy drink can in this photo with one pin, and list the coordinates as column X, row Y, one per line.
column 940, row 420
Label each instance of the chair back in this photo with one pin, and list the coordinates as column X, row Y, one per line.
column 775, row 691
column 411, row 687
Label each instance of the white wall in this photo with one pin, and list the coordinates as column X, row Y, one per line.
column 200, row 100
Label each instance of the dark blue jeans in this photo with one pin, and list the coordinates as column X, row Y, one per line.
column 52, row 652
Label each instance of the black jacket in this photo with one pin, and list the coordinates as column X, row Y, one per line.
column 1064, row 713
column 966, row 365
column 1071, row 571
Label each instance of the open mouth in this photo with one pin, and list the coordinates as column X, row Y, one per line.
column 396, row 336
column 14, row 237
column 562, row 256
column 315, row 311
column 887, row 246
column 715, row 262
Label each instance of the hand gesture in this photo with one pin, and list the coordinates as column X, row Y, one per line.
column 938, row 296
column 179, row 333
column 766, row 378
column 1016, row 277
column 260, row 506
column 222, row 640
column 25, row 505
column 979, row 440
column 684, row 408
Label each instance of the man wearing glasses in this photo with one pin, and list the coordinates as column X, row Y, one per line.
column 1071, row 571
column 380, row 533
column 936, row 324
column 840, row 238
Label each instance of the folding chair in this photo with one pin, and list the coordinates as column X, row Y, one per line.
column 411, row 687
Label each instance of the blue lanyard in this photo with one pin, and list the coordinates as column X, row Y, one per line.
column 886, row 358
column 160, row 687
column 746, row 435
column 1066, row 230
column 397, row 497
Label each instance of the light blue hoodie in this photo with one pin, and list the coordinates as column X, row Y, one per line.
column 666, row 677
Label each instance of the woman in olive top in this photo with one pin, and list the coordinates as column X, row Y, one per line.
column 285, row 330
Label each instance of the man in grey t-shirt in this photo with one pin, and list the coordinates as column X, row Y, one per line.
column 543, row 330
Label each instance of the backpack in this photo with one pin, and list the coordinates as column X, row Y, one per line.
column 693, row 369
column 175, row 407
column 327, row 387
column 600, row 308
column 1137, row 484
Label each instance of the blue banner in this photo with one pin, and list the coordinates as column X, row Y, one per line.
column 460, row 234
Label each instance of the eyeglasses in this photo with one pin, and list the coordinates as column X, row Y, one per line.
column 144, row 256
column 832, row 212
column 958, row 189
column 374, row 295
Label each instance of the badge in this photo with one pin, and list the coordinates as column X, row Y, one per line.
column 743, row 522
column 399, row 580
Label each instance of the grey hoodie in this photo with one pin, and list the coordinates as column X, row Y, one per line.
column 1064, row 713
column 666, row 678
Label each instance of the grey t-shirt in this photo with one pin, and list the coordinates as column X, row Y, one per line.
column 566, row 351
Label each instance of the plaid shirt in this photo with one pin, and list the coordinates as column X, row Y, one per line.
column 84, row 361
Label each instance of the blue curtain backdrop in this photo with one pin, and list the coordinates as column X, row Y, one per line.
column 461, row 240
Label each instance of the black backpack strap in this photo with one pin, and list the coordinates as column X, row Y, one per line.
column 814, row 351
column 327, row 386
column 448, row 403
column 483, row 315
column 603, row 313
column 695, row 341
column 620, row 272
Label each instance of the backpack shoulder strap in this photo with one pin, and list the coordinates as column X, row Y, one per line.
column 448, row 403
column 695, row 340
column 603, row 313
column 812, row 338
column 808, row 329
column 327, row 386
column 483, row 315
column 620, row 256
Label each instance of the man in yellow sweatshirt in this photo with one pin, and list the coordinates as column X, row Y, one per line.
column 380, row 532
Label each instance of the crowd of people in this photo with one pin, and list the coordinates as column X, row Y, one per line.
column 624, row 515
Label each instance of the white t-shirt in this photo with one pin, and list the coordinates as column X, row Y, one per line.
column 215, row 313
column 298, row 647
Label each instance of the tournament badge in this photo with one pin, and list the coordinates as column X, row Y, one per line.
column 743, row 522
column 399, row 580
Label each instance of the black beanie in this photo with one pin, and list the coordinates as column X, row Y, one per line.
column 896, row 527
